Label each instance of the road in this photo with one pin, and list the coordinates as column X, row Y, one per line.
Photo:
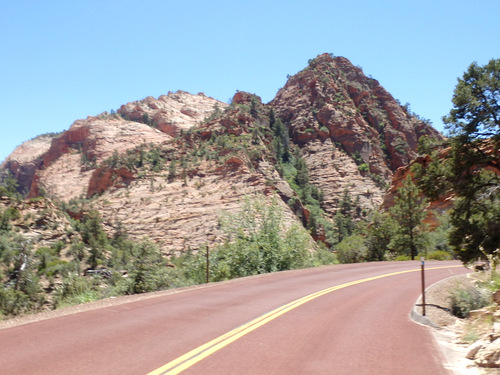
column 278, row 323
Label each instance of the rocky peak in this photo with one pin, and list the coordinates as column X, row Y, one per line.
column 171, row 113
column 68, row 164
column 332, row 98
column 352, row 132
column 26, row 159
column 63, row 166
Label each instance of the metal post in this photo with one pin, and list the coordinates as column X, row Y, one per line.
column 208, row 264
column 423, row 286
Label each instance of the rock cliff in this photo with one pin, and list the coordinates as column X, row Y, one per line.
column 166, row 168
column 353, row 133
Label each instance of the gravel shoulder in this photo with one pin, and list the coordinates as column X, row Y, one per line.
column 447, row 329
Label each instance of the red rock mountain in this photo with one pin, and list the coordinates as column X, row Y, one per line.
column 166, row 168
column 352, row 132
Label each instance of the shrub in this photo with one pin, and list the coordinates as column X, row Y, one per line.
column 72, row 285
column 363, row 167
column 439, row 255
column 401, row 258
column 258, row 242
column 13, row 302
column 464, row 299
column 324, row 256
column 352, row 249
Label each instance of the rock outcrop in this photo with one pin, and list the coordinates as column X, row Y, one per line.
column 68, row 165
column 444, row 202
column 25, row 160
column 172, row 113
column 166, row 168
column 363, row 133
column 39, row 221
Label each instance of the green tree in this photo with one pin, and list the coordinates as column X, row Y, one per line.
column 8, row 185
column 344, row 217
column 21, row 290
column 281, row 139
column 474, row 172
column 352, row 249
column 94, row 236
column 379, row 235
column 259, row 242
column 408, row 211
column 148, row 271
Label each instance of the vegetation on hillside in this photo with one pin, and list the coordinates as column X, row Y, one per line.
column 471, row 166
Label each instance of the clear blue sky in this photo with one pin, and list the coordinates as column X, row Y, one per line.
column 65, row 60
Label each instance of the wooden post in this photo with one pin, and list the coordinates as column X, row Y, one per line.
column 207, row 254
column 423, row 286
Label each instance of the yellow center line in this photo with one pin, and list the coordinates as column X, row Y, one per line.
column 189, row 359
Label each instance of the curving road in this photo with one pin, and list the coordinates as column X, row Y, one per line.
column 345, row 319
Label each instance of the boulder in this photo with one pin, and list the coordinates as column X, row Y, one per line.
column 489, row 355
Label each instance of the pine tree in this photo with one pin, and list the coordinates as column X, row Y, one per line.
column 408, row 212
column 474, row 171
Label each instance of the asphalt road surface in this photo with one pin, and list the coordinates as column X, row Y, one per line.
column 344, row 319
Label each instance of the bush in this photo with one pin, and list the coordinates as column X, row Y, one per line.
column 258, row 242
column 323, row 256
column 73, row 286
column 439, row 255
column 401, row 258
column 148, row 272
column 352, row 249
column 465, row 299
column 14, row 302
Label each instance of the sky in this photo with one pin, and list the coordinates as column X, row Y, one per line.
column 65, row 60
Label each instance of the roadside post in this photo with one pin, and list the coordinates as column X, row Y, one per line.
column 423, row 285
column 207, row 254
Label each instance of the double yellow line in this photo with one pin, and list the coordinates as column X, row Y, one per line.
column 189, row 359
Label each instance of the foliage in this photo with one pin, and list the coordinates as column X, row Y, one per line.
column 323, row 256
column 148, row 272
column 473, row 170
column 464, row 299
column 258, row 242
column 408, row 212
column 439, row 237
column 352, row 249
column 439, row 255
column 281, row 138
column 94, row 236
column 9, row 186
column 432, row 178
column 76, row 289
column 476, row 103
column 21, row 286
column 379, row 235
column 344, row 220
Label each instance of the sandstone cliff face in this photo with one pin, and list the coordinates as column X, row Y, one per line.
column 166, row 168
column 444, row 202
column 182, row 214
column 333, row 100
column 26, row 159
column 40, row 222
column 171, row 113
column 68, row 165
column 206, row 172
column 64, row 167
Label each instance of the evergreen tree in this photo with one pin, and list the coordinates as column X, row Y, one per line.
column 344, row 217
column 408, row 212
column 474, row 171
column 379, row 235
